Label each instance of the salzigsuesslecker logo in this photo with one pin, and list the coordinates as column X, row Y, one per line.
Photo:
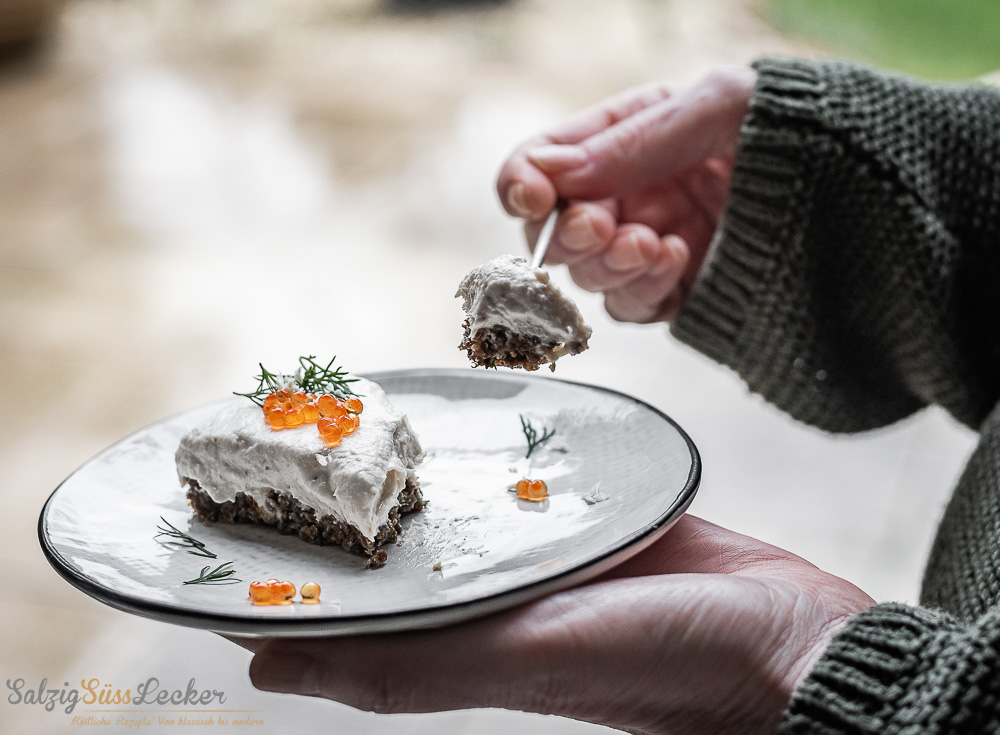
column 92, row 692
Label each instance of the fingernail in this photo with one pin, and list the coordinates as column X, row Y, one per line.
column 517, row 200
column 283, row 671
column 554, row 159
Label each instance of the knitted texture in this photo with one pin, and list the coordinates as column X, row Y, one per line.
column 963, row 573
column 854, row 279
column 898, row 669
column 855, row 275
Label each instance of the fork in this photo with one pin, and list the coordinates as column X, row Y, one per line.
column 545, row 236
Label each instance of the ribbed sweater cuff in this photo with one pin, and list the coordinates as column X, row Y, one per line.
column 893, row 669
column 734, row 286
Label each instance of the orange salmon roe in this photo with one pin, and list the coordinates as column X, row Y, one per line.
column 275, row 419
column 335, row 417
column 331, row 432
column 310, row 593
column 260, row 593
column 330, row 406
column 293, row 417
column 283, row 592
column 348, row 424
column 272, row 592
column 533, row 490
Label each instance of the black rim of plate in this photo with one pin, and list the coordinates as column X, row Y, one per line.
column 245, row 624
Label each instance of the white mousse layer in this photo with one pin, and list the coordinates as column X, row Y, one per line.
column 356, row 482
column 509, row 293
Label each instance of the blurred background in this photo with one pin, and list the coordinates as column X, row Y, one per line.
column 190, row 187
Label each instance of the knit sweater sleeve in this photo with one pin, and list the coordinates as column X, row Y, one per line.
column 896, row 669
column 855, row 276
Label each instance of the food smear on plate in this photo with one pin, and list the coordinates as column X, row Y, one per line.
column 534, row 490
column 516, row 317
column 596, row 495
column 237, row 468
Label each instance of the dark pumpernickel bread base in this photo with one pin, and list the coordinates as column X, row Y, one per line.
column 498, row 347
column 290, row 516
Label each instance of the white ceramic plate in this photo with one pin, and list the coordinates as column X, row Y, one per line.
column 494, row 551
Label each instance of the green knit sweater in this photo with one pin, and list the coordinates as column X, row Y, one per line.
column 854, row 280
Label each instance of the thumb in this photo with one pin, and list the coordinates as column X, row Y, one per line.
column 699, row 123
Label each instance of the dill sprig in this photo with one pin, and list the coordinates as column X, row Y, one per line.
column 182, row 540
column 309, row 377
column 267, row 384
column 219, row 575
column 314, row 378
column 531, row 434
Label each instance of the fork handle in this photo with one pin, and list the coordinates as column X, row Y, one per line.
column 545, row 236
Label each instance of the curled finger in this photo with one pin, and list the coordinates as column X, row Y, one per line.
column 652, row 294
column 524, row 190
column 582, row 231
column 633, row 250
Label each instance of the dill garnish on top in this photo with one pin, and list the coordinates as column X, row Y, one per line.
column 310, row 377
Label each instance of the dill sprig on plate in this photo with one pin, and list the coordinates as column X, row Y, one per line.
column 219, row 575
column 182, row 540
column 531, row 434
column 310, row 377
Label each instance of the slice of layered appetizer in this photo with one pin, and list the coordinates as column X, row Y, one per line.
column 515, row 317
column 314, row 453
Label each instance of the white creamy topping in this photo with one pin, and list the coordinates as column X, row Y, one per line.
column 508, row 292
column 356, row 482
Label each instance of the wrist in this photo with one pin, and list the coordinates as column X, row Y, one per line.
column 878, row 657
column 814, row 648
column 731, row 88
